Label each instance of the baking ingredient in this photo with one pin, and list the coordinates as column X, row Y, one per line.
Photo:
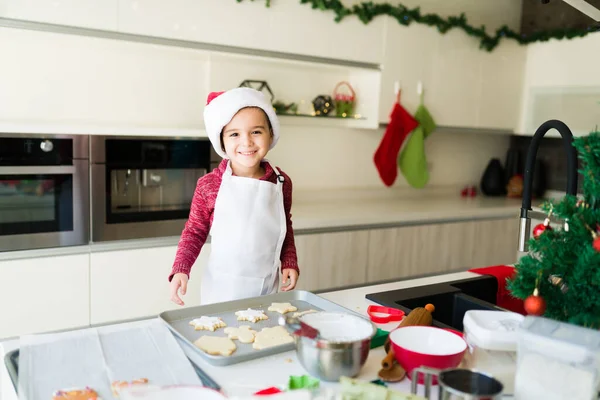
column 282, row 308
column 339, row 327
column 207, row 323
column 244, row 334
column 251, row 315
column 216, row 345
column 541, row 377
column 269, row 337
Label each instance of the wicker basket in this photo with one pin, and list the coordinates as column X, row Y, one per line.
column 344, row 100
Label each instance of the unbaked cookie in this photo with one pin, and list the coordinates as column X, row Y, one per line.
column 75, row 394
column 117, row 386
column 282, row 308
column 251, row 315
column 244, row 334
column 301, row 313
column 216, row 345
column 207, row 323
column 269, row 337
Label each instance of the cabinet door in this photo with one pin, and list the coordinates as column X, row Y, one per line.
column 44, row 294
column 453, row 94
column 287, row 26
column 98, row 14
column 332, row 260
column 128, row 284
column 397, row 253
column 502, row 72
column 496, row 242
column 409, row 58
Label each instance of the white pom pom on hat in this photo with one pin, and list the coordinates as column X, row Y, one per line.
column 222, row 106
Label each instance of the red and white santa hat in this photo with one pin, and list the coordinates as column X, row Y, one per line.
column 222, row 106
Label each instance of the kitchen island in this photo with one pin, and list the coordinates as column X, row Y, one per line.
column 248, row 377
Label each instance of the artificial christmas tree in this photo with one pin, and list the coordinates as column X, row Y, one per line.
column 560, row 277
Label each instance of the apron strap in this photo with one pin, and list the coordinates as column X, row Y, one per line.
column 280, row 178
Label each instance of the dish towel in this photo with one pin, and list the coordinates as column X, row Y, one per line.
column 504, row 298
column 412, row 160
column 386, row 155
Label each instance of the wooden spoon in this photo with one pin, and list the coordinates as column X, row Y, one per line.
column 394, row 374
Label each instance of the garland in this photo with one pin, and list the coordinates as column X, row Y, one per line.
column 366, row 11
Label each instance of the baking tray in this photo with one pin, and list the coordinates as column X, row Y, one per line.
column 11, row 360
column 178, row 322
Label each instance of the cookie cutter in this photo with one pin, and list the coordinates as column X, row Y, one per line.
column 382, row 314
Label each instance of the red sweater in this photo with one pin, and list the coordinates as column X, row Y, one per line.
column 201, row 216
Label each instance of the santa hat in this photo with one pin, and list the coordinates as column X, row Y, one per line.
column 222, row 106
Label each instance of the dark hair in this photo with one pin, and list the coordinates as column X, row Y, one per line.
column 266, row 117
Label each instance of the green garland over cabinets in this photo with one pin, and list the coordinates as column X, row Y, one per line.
column 366, row 11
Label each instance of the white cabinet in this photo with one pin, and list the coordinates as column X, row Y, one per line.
column 97, row 14
column 128, row 284
column 464, row 86
column 44, row 294
column 75, row 80
column 287, row 26
column 502, row 74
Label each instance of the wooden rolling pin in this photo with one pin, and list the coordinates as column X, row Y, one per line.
column 420, row 316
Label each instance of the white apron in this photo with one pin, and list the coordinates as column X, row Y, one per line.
column 247, row 235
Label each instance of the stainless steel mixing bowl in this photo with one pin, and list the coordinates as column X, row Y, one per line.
column 329, row 360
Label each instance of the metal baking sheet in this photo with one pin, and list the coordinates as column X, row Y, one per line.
column 11, row 360
column 178, row 321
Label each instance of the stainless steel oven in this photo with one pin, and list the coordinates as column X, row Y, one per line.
column 44, row 191
column 143, row 187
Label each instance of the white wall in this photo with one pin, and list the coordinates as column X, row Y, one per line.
column 330, row 158
column 45, row 76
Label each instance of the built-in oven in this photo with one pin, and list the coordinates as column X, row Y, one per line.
column 44, row 191
column 142, row 187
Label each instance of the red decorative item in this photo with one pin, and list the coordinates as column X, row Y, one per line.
column 541, row 228
column 268, row 391
column 469, row 191
column 535, row 304
column 596, row 243
column 383, row 315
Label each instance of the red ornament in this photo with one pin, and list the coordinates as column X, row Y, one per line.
column 535, row 304
column 540, row 228
column 596, row 243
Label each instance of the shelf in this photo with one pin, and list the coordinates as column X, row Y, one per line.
column 359, row 118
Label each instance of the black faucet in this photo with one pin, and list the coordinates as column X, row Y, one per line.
column 567, row 138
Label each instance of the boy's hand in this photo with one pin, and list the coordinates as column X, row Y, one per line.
column 292, row 275
column 179, row 282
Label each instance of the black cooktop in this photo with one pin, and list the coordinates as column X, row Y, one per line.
column 451, row 299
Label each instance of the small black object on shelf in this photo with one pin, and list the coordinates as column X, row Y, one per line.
column 323, row 105
column 493, row 179
column 258, row 85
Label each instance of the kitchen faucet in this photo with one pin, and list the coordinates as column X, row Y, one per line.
column 567, row 139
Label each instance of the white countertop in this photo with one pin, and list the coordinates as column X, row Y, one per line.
column 368, row 207
column 275, row 370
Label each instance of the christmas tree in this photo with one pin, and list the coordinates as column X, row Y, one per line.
column 560, row 276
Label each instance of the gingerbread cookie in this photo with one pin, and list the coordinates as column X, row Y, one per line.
column 251, row 315
column 301, row 313
column 269, row 337
column 282, row 308
column 207, row 323
column 216, row 345
column 244, row 334
column 75, row 394
column 117, row 386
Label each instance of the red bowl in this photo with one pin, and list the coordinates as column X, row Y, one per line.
column 427, row 346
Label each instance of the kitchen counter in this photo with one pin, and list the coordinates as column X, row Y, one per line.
column 355, row 209
column 248, row 377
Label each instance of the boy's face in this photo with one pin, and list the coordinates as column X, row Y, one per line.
column 247, row 137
